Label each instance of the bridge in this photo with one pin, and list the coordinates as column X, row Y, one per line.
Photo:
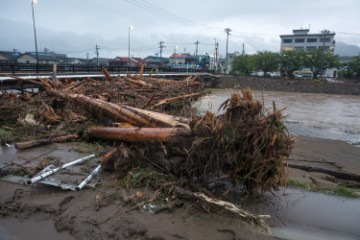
column 14, row 81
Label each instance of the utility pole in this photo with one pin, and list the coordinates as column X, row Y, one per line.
column 97, row 54
column 161, row 46
column 243, row 49
column 35, row 38
column 129, row 57
column 227, row 30
column 196, row 52
column 197, row 47
column 216, row 55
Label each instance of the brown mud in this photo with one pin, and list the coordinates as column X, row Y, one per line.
column 41, row 212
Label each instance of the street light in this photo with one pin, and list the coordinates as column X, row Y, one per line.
column 130, row 28
column 36, row 47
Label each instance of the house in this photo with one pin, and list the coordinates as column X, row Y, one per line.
column 155, row 61
column 301, row 40
column 126, row 62
column 44, row 58
column 99, row 61
column 179, row 59
column 9, row 56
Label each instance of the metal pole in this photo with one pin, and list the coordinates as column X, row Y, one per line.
column 34, row 26
column 88, row 178
column 227, row 30
column 52, row 171
column 129, row 30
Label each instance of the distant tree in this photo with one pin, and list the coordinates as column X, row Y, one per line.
column 242, row 65
column 319, row 60
column 351, row 69
column 266, row 61
column 291, row 61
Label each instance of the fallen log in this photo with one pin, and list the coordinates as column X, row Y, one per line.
column 137, row 82
column 45, row 141
column 107, row 156
column 175, row 99
column 135, row 116
column 227, row 206
column 141, row 134
column 337, row 174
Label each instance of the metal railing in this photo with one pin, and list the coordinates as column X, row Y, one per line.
column 78, row 68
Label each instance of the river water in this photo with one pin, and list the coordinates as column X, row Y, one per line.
column 307, row 114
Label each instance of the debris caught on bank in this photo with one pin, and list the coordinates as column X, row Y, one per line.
column 158, row 140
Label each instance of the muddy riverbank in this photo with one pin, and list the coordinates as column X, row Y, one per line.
column 74, row 215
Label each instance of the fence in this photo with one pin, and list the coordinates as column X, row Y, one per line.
column 77, row 68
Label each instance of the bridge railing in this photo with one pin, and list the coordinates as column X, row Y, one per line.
column 17, row 68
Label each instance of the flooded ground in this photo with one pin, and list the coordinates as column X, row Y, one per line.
column 314, row 115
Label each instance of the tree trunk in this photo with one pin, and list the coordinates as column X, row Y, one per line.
column 135, row 116
column 41, row 142
column 141, row 134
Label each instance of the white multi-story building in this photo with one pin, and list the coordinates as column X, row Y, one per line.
column 301, row 40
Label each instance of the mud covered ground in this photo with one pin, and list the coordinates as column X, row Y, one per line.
column 111, row 212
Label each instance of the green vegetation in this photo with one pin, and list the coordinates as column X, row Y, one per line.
column 289, row 61
column 337, row 190
column 297, row 184
column 345, row 192
column 349, row 68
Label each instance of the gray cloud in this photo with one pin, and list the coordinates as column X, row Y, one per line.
column 75, row 27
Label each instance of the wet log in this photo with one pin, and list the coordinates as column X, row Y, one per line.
column 108, row 155
column 175, row 99
column 141, row 134
column 106, row 73
column 136, row 116
column 139, row 83
column 337, row 174
column 45, row 141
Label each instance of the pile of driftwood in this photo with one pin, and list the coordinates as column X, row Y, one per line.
column 158, row 137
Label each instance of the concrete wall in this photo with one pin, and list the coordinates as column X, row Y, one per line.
column 284, row 85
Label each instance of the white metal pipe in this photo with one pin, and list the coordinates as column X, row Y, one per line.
column 52, row 171
column 86, row 180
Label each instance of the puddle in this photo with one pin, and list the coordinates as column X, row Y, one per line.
column 309, row 215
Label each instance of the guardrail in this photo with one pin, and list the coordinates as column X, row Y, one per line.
column 77, row 68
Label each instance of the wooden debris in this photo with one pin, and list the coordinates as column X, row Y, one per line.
column 45, row 141
column 141, row 134
column 258, row 220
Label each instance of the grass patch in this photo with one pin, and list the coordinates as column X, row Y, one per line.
column 297, row 184
column 345, row 192
column 4, row 134
column 338, row 190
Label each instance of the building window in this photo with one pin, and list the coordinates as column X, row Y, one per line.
column 312, row 40
column 310, row 48
column 299, row 48
column 287, row 40
column 299, row 40
column 324, row 39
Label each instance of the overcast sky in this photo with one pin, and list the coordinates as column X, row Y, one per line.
column 74, row 27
